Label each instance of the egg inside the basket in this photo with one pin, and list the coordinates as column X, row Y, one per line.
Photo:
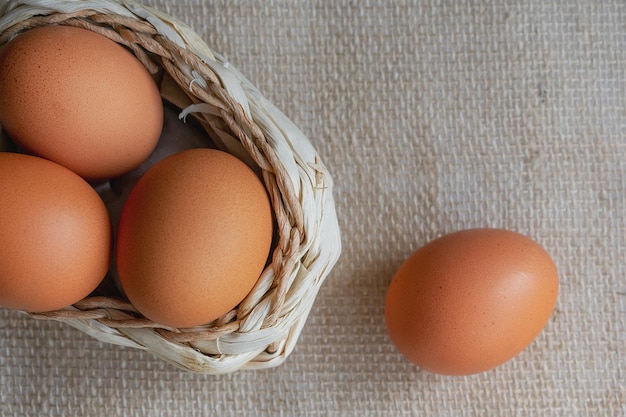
column 193, row 237
column 144, row 264
column 55, row 235
column 77, row 98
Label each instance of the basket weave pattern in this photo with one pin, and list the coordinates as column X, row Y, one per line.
column 263, row 329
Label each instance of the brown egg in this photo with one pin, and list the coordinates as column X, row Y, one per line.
column 77, row 98
column 470, row 301
column 55, row 235
column 193, row 237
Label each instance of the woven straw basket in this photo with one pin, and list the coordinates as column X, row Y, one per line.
column 262, row 331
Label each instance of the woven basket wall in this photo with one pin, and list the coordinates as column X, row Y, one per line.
column 263, row 330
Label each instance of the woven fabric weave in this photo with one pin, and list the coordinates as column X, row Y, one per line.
column 432, row 116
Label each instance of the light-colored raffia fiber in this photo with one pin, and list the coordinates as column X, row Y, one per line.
column 263, row 329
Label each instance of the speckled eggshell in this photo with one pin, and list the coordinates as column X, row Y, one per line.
column 193, row 238
column 55, row 235
column 75, row 97
column 471, row 300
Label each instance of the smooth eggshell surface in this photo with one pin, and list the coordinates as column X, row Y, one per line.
column 75, row 97
column 193, row 238
column 471, row 300
column 55, row 235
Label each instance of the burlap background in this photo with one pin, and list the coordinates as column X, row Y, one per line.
column 432, row 116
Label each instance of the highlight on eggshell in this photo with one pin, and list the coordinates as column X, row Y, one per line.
column 470, row 301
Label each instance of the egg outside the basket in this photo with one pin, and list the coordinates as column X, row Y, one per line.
column 263, row 330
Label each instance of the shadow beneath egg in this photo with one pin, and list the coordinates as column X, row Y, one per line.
column 6, row 144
